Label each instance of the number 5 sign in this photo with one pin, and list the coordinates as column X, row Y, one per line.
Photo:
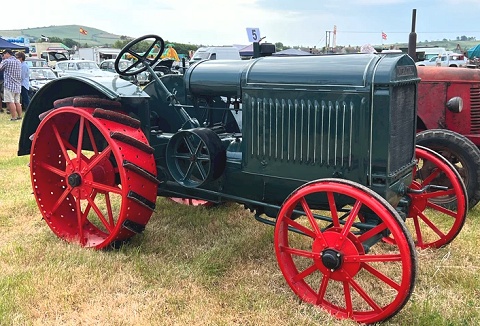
column 253, row 34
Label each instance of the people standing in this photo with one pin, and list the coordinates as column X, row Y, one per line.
column 25, row 98
column 1, row 85
column 438, row 61
column 12, row 83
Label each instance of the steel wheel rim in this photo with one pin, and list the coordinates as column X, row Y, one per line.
column 441, row 226
column 83, row 194
column 315, row 291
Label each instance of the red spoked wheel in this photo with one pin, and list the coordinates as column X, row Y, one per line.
column 93, row 174
column 329, row 249
column 433, row 225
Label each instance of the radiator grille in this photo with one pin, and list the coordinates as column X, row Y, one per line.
column 402, row 118
column 475, row 109
column 301, row 131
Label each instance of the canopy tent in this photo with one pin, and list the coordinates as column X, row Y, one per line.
column 474, row 52
column 7, row 45
column 291, row 52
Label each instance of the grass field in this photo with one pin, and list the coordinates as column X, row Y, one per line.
column 191, row 266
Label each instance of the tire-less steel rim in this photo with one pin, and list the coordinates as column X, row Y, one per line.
column 93, row 175
column 332, row 256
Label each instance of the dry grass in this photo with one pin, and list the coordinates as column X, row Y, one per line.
column 192, row 266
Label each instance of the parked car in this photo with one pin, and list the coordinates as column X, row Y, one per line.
column 85, row 68
column 36, row 62
column 447, row 60
column 39, row 76
column 109, row 65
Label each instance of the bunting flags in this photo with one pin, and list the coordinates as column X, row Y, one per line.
column 384, row 36
column 82, row 31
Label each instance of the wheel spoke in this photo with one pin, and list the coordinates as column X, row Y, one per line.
column 433, row 174
column 190, row 146
column 373, row 258
column 351, row 218
column 60, row 200
column 305, row 273
column 109, row 209
column 189, row 171
column 348, row 299
column 300, row 228
column 87, row 209
column 299, row 252
column 99, row 214
column 80, row 221
column 323, row 289
column 333, row 209
column 372, row 232
column 201, row 170
column 442, row 209
column 381, row 276
column 90, row 136
column 80, row 142
column 53, row 169
column 430, row 224
column 310, row 217
column 97, row 159
column 104, row 187
column 365, row 296
column 61, row 144
column 418, row 231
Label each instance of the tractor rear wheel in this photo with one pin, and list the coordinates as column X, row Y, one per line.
column 332, row 256
column 462, row 153
column 93, row 173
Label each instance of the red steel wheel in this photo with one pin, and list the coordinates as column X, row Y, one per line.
column 93, row 175
column 433, row 224
column 329, row 249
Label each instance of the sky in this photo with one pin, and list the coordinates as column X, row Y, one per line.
column 307, row 23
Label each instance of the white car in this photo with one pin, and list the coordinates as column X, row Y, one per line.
column 140, row 79
column 39, row 76
column 84, row 68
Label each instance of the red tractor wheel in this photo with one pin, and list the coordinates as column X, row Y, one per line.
column 433, row 224
column 328, row 245
column 93, row 174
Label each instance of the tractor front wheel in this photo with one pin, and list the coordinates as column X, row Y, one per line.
column 328, row 245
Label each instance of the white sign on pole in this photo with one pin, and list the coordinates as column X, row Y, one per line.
column 253, row 34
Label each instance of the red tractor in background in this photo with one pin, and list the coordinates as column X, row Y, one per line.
column 448, row 120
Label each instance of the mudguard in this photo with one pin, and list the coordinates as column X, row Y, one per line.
column 105, row 87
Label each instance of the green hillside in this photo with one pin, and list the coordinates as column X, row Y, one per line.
column 94, row 37
column 97, row 37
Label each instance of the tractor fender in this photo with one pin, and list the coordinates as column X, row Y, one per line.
column 104, row 87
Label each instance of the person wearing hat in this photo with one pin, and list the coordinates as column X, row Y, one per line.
column 12, row 83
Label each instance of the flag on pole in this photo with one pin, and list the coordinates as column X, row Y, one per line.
column 384, row 36
column 82, row 31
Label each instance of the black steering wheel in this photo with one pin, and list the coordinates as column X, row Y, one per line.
column 140, row 62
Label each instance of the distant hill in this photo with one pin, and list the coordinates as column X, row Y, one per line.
column 94, row 37
column 97, row 37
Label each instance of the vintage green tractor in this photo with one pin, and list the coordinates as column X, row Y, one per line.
column 326, row 153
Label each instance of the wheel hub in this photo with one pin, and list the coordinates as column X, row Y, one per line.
column 332, row 259
column 74, row 180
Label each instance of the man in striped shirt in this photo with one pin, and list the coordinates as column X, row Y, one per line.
column 12, row 84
